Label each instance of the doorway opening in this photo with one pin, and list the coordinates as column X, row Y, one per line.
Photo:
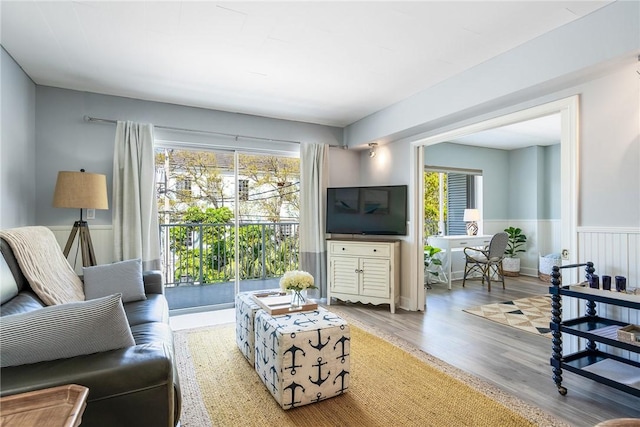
column 567, row 109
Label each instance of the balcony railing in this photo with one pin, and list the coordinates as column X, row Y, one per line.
column 431, row 228
column 202, row 254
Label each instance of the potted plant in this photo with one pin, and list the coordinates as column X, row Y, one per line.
column 429, row 261
column 515, row 245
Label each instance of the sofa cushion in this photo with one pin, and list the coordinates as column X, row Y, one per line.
column 153, row 309
column 24, row 302
column 64, row 331
column 124, row 277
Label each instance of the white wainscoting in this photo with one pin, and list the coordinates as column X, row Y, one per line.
column 101, row 237
column 614, row 252
column 543, row 237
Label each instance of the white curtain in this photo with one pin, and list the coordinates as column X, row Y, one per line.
column 135, row 210
column 313, row 189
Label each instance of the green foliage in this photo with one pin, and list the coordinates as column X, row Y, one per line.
column 517, row 241
column 192, row 193
column 281, row 175
column 431, row 195
column 431, row 202
column 201, row 250
column 429, row 259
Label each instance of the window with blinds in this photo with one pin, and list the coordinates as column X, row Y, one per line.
column 447, row 194
column 460, row 196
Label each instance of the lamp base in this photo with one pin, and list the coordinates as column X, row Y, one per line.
column 84, row 241
column 472, row 228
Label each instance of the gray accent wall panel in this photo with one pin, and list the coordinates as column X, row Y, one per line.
column 66, row 142
column 17, row 145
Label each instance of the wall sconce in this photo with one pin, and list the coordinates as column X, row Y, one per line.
column 470, row 217
column 372, row 149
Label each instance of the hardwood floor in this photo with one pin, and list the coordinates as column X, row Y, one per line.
column 513, row 360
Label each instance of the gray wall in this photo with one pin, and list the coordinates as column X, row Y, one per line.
column 66, row 142
column 494, row 165
column 517, row 184
column 569, row 55
column 601, row 69
column 17, row 145
column 534, row 183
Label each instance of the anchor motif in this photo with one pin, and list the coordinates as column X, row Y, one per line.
column 257, row 357
column 300, row 322
column 293, row 386
column 329, row 318
column 342, row 341
column 274, row 342
column 265, row 326
column 318, row 398
column 318, row 381
column 341, row 375
column 274, row 378
column 265, row 358
column 293, row 349
column 320, row 346
column 247, row 322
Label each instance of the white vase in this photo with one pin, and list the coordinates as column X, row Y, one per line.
column 511, row 266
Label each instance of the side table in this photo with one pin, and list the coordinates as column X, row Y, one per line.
column 60, row 406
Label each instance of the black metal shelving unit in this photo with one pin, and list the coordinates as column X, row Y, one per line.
column 593, row 328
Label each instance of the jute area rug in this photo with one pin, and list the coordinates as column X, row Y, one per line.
column 531, row 314
column 390, row 385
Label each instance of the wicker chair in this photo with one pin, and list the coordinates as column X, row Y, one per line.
column 487, row 261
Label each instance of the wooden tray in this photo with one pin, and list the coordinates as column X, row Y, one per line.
column 276, row 303
column 630, row 334
column 61, row 406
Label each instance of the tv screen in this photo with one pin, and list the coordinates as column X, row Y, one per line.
column 378, row 210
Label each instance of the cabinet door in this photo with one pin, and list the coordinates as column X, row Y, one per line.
column 376, row 276
column 344, row 275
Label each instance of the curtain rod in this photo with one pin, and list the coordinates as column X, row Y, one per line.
column 96, row 119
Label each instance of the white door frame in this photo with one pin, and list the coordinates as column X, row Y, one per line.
column 568, row 110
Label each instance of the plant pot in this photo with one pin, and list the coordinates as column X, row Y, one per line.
column 511, row 267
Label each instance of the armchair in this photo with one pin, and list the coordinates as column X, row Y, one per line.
column 487, row 261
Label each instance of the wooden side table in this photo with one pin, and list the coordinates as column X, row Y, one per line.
column 61, row 406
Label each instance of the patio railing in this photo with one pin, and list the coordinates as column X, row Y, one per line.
column 202, row 254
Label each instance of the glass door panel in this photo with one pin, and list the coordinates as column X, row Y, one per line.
column 268, row 212
column 196, row 207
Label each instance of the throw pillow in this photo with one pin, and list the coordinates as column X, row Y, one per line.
column 65, row 330
column 124, row 277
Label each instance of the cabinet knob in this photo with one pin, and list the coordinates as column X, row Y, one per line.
column 375, row 250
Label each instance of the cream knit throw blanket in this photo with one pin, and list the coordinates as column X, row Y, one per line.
column 44, row 265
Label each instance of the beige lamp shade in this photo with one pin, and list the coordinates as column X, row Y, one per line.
column 81, row 190
column 471, row 215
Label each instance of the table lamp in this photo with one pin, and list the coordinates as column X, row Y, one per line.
column 471, row 216
column 81, row 190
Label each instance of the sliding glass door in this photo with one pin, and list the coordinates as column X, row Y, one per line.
column 228, row 223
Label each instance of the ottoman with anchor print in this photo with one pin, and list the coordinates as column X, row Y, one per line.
column 302, row 358
column 246, row 309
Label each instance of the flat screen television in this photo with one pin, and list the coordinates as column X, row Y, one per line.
column 380, row 210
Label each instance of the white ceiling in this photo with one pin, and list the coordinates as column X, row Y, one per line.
column 541, row 131
column 320, row 62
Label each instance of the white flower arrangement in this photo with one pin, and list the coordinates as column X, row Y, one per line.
column 297, row 281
